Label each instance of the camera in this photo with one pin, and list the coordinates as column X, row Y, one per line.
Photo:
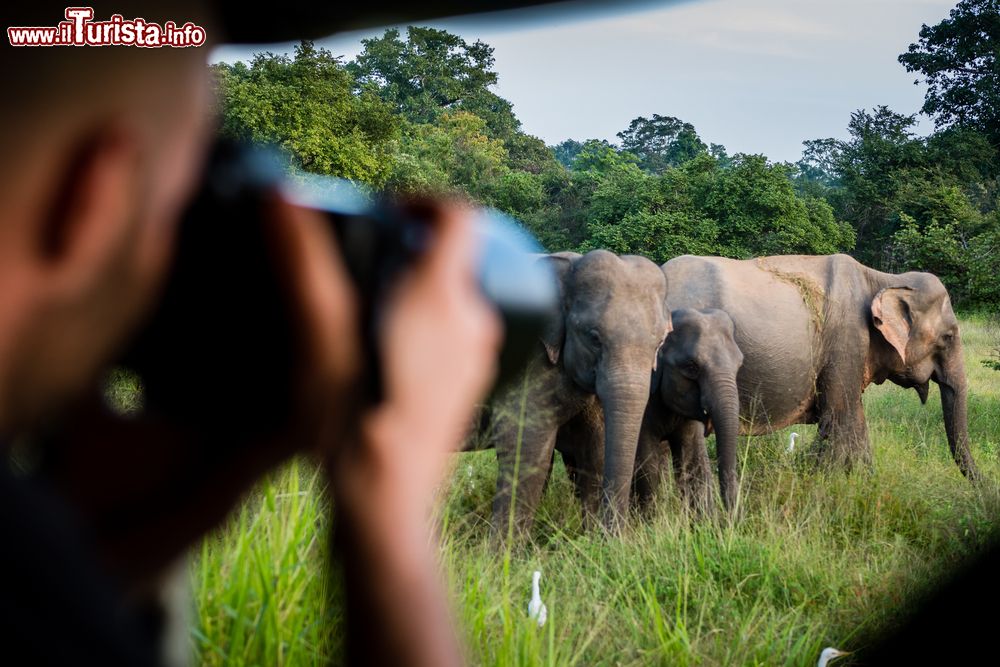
column 219, row 349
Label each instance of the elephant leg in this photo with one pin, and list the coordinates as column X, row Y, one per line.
column 524, row 432
column 548, row 473
column 676, row 464
column 650, row 458
column 691, row 466
column 523, row 470
column 569, row 461
column 650, row 471
column 581, row 442
column 843, row 430
column 524, row 422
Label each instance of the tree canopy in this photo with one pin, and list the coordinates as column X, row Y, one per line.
column 661, row 142
column 418, row 114
column 960, row 62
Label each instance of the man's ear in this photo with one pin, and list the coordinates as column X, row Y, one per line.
column 92, row 208
column 891, row 316
column 554, row 334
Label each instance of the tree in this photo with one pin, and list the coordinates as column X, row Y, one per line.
column 599, row 156
column 567, row 151
column 960, row 61
column 869, row 170
column 633, row 212
column 431, row 72
column 746, row 209
column 453, row 155
column 528, row 153
column 820, row 160
column 954, row 241
column 718, row 151
column 759, row 213
column 305, row 105
column 661, row 142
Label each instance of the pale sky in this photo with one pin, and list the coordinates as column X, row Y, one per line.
column 758, row 76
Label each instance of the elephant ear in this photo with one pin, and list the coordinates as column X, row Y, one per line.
column 892, row 317
column 668, row 326
column 554, row 333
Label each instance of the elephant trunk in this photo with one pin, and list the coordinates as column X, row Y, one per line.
column 954, row 390
column 721, row 401
column 624, row 394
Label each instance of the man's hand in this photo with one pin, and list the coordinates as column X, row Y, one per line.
column 438, row 343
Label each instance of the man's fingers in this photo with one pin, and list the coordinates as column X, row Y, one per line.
column 319, row 286
column 452, row 258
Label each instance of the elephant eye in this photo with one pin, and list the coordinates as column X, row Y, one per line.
column 690, row 369
column 595, row 336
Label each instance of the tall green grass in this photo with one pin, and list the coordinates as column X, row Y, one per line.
column 818, row 559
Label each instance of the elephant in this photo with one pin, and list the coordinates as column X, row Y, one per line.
column 815, row 331
column 694, row 389
column 596, row 356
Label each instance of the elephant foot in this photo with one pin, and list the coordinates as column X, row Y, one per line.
column 845, row 456
column 843, row 443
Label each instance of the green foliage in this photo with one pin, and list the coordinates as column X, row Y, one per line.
column 305, row 105
column 934, row 248
column 746, row 209
column 600, row 157
column 661, row 142
column 431, row 72
column 455, row 154
column 965, row 257
column 868, row 169
column 567, row 151
column 636, row 213
column 519, row 191
column 914, row 203
column 261, row 586
column 983, row 258
column 960, row 63
column 123, row 391
column 762, row 215
column 530, row 154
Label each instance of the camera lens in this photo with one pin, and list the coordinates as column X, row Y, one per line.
column 225, row 313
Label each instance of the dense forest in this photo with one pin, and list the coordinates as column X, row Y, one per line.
column 415, row 113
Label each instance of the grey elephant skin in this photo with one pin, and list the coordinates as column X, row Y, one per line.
column 815, row 331
column 596, row 355
column 694, row 387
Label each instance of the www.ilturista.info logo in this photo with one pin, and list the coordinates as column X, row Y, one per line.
column 79, row 29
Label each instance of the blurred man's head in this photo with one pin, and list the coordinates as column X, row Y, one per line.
column 100, row 149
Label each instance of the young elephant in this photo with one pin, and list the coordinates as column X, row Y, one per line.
column 694, row 386
column 602, row 346
column 815, row 331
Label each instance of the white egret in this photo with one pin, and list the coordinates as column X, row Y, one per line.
column 791, row 443
column 536, row 608
column 828, row 654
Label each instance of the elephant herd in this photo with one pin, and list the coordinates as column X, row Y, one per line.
column 642, row 362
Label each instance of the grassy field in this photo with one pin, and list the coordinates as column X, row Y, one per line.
column 819, row 559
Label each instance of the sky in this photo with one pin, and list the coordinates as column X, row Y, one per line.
column 758, row 76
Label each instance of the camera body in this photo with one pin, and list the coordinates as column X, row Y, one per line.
column 220, row 348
